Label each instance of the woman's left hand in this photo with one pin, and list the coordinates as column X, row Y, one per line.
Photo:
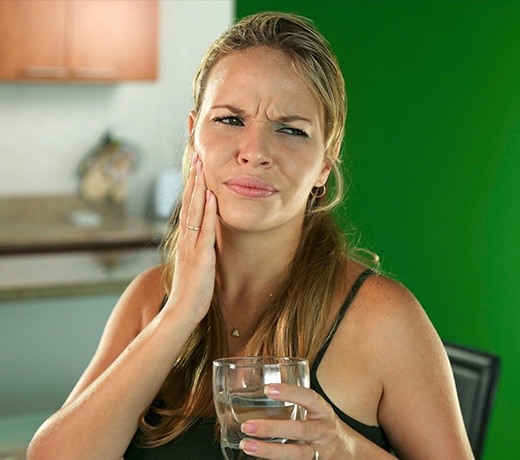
column 321, row 435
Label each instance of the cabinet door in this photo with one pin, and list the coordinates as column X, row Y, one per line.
column 31, row 39
column 112, row 40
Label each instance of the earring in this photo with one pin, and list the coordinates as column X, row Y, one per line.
column 319, row 195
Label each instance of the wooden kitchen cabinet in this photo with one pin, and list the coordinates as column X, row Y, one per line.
column 32, row 39
column 78, row 40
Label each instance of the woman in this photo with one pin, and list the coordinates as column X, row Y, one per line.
column 256, row 266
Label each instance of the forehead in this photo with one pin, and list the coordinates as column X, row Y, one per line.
column 261, row 74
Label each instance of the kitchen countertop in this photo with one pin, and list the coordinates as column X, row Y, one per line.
column 60, row 223
column 59, row 245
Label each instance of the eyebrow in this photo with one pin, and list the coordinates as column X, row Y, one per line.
column 291, row 118
column 231, row 108
column 283, row 118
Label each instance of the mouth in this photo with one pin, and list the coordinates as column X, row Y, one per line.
column 250, row 187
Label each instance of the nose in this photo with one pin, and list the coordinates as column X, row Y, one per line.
column 255, row 148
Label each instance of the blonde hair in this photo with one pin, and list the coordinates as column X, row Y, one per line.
column 301, row 307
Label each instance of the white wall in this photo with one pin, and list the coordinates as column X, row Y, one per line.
column 46, row 129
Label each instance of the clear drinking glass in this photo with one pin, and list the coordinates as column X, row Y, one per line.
column 238, row 394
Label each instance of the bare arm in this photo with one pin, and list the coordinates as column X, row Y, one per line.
column 419, row 408
column 101, row 414
column 99, row 421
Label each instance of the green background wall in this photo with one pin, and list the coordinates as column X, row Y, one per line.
column 433, row 157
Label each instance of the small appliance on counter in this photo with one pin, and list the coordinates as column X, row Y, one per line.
column 168, row 189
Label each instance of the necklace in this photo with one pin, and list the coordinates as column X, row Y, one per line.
column 236, row 329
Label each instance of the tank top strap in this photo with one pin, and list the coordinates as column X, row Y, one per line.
column 342, row 312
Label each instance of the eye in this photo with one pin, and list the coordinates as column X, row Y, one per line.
column 229, row 120
column 293, row 131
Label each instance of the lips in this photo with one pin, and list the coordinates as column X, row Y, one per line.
column 250, row 187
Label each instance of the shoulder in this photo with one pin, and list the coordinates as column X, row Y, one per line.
column 149, row 278
column 391, row 321
column 387, row 302
column 143, row 297
column 382, row 302
column 379, row 301
column 388, row 329
column 137, row 306
column 383, row 323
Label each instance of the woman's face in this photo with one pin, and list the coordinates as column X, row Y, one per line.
column 260, row 136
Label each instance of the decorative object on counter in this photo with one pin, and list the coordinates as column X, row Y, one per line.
column 105, row 171
column 168, row 189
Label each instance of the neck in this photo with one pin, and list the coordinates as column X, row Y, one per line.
column 251, row 266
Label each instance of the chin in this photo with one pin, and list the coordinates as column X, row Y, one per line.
column 245, row 216
column 244, row 224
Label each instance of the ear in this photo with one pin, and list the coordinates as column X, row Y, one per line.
column 191, row 122
column 323, row 176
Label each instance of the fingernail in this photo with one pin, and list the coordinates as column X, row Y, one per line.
column 248, row 427
column 199, row 166
column 272, row 390
column 248, row 446
column 208, row 195
column 194, row 158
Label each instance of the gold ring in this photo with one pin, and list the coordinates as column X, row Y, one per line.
column 195, row 229
column 316, row 453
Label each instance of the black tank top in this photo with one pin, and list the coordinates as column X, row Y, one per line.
column 199, row 441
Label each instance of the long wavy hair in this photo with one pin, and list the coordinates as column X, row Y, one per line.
column 300, row 309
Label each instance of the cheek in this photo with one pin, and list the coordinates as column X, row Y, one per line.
column 208, row 149
column 210, row 169
column 200, row 147
column 207, row 154
column 306, row 172
column 201, row 140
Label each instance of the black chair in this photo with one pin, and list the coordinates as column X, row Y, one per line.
column 476, row 377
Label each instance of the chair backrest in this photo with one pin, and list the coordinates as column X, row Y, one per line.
column 476, row 377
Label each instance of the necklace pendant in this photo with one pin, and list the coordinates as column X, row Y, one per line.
column 235, row 333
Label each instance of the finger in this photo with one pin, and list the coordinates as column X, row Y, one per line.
column 273, row 450
column 296, row 430
column 188, row 190
column 210, row 220
column 197, row 202
column 315, row 405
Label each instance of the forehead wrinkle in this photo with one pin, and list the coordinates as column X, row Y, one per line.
column 266, row 99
